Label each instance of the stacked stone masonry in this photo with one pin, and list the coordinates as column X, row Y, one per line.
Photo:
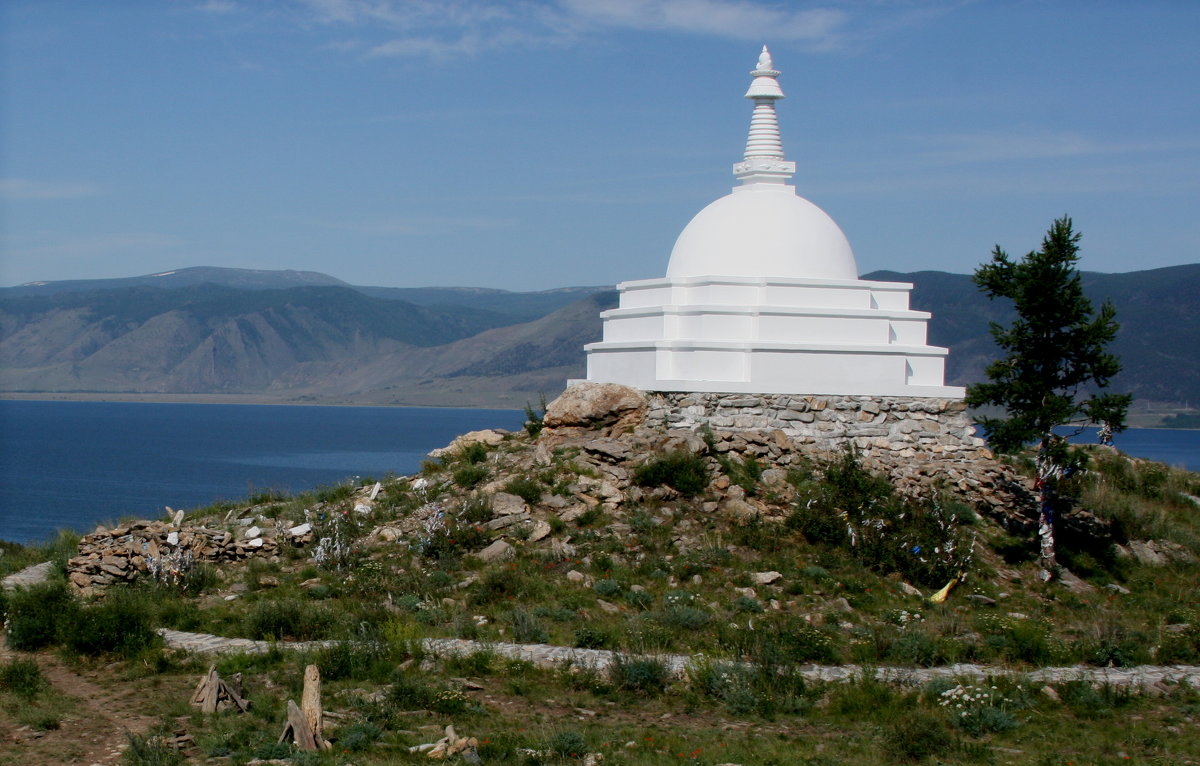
column 884, row 428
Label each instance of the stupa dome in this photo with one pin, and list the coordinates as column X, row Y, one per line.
column 762, row 296
column 762, row 230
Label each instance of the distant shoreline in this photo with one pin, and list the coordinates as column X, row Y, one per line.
column 258, row 399
column 55, row 396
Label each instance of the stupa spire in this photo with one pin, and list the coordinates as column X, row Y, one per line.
column 764, row 161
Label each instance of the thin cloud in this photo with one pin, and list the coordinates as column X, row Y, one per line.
column 438, row 28
column 15, row 189
column 965, row 148
column 217, row 6
column 737, row 19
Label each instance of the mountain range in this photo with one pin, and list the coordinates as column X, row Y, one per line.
column 309, row 337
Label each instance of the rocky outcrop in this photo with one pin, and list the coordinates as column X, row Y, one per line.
column 606, row 406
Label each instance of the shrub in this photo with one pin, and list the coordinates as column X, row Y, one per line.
column 288, row 618
column 648, row 675
column 744, row 473
column 473, row 453
column 469, row 475
column 475, row 510
column 566, row 744
column 37, row 614
column 123, row 624
column 683, row 618
column 150, row 751
column 409, row 693
column 682, row 471
column 369, row 660
column 852, row 508
column 607, row 588
column 526, row 628
column 533, row 418
column 529, row 490
column 450, row 702
column 22, row 677
column 358, row 736
column 592, row 638
column 917, row 735
column 452, row 541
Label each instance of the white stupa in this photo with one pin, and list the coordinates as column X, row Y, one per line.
column 762, row 295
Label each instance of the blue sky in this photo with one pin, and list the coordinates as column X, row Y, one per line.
column 530, row 145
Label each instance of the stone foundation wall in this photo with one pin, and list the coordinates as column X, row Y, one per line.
column 884, row 428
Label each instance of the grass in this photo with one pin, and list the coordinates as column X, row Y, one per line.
column 662, row 573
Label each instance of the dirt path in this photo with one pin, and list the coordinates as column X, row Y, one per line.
column 94, row 719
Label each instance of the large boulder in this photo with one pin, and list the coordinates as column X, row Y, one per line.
column 596, row 406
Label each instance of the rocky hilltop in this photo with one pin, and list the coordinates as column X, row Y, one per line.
column 592, row 450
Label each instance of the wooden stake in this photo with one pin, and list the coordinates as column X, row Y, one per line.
column 304, row 722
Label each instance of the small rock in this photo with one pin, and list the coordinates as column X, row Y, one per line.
column 842, row 605
column 504, row 504
column 765, row 578
column 1115, row 588
column 607, row 606
column 576, row 576
column 497, row 551
column 541, row 529
column 250, row 534
column 909, row 590
column 982, row 599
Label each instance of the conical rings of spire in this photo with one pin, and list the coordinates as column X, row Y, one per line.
column 763, row 161
column 764, row 140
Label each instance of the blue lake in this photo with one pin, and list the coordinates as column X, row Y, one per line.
column 74, row 464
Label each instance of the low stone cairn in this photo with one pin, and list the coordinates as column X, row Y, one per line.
column 168, row 550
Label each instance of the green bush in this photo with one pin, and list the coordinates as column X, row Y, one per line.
column 527, row 629
column 593, row 638
column 469, row 475
column 529, row 490
column 22, row 677
column 682, row 471
column 355, row 660
column 567, row 744
column 150, row 750
column 473, row 453
column 648, row 675
column 37, row 615
column 917, row 735
column 475, row 510
column 358, row 736
column 453, row 541
column 744, row 473
column 123, row 624
column 288, row 618
column 533, row 418
column 855, row 510
column 409, row 693
column 607, row 588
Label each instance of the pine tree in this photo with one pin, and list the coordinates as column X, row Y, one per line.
column 1055, row 362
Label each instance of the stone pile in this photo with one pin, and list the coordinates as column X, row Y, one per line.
column 166, row 550
column 924, row 446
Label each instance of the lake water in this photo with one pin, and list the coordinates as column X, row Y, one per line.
column 74, row 464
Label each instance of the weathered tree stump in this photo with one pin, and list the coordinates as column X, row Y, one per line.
column 304, row 722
